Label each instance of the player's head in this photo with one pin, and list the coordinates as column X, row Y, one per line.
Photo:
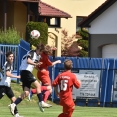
column 9, row 57
column 47, row 50
column 39, row 49
column 68, row 64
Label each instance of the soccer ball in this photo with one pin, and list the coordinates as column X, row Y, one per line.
column 35, row 34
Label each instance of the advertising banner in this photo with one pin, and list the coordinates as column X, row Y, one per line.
column 90, row 83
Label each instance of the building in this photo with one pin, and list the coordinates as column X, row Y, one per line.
column 102, row 26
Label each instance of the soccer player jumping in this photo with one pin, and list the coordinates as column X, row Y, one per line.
column 29, row 61
column 66, row 81
column 43, row 73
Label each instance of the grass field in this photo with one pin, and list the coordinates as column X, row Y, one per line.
column 33, row 111
column 30, row 109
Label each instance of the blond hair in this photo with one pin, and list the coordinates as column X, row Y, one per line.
column 47, row 49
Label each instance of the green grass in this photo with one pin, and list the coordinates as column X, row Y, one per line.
column 33, row 111
column 30, row 109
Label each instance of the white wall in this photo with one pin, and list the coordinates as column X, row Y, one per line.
column 106, row 23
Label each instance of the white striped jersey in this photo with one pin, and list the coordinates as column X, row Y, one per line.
column 33, row 56
column 5, row 80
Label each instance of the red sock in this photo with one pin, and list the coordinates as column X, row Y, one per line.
column 34, row 91
column 45, row 96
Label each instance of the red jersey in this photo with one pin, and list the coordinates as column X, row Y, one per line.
column 66, row 81
column 43, row 75
column 45, row 61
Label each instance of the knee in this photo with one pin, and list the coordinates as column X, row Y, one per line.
column 49, row 88
column 26, row 93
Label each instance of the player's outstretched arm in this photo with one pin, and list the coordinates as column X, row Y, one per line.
column 11, row 75
column 29, row 61
column 56, row 62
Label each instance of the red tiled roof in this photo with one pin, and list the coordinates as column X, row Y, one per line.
column 48, row 10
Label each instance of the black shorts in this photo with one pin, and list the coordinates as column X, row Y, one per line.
column 27, row 78
column 6, row 90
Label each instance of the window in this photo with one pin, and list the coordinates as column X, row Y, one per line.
column 78, row 20
column 52, row 22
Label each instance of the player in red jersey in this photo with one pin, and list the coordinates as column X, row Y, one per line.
column 66, row 81
column 43, row 73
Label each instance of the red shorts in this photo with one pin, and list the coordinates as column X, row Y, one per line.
column 44, row 77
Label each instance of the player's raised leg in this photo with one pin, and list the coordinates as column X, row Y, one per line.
column 39, row 95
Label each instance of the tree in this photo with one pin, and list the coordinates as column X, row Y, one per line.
column 69, row 47
column 83, row 42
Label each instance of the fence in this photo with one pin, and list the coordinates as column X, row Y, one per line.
column 107, row 84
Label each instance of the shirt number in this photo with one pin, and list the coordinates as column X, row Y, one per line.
column 64, row 85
